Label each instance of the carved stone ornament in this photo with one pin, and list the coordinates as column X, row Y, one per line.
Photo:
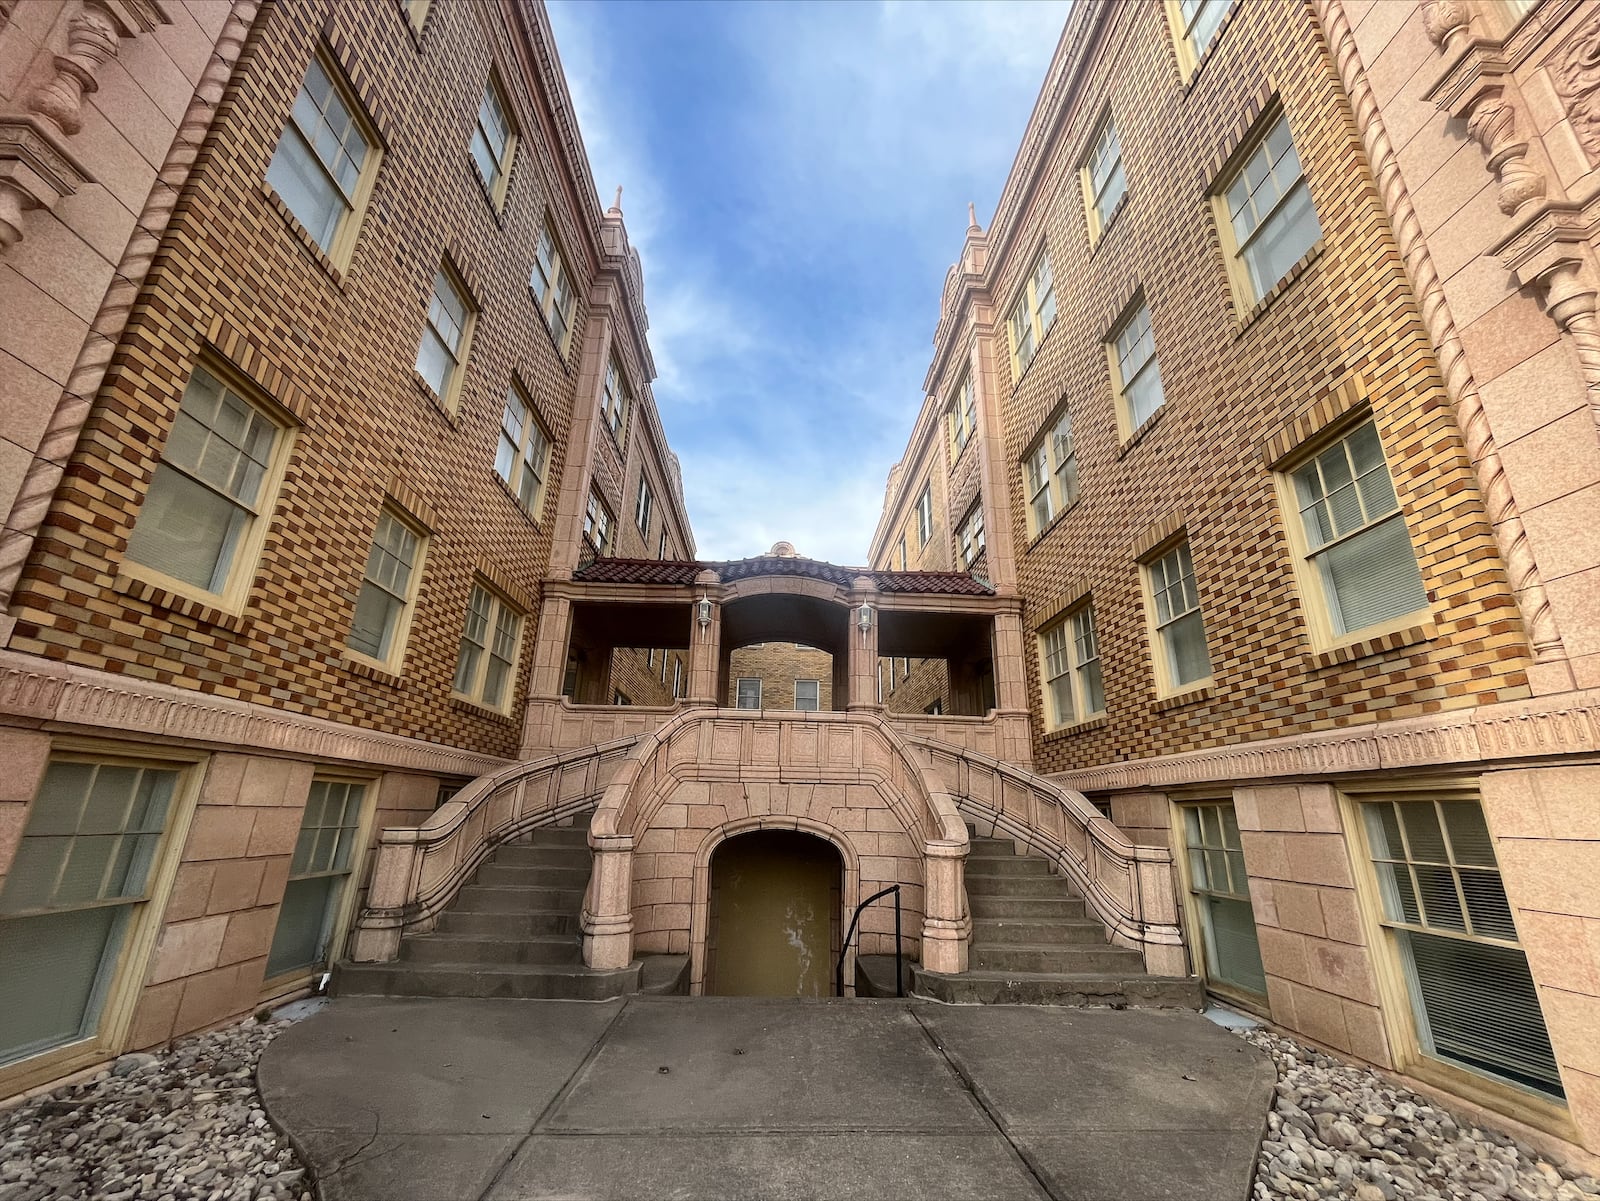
column 91, row 40
column 1446, row 21
column 1492, row 124
column 35, row 171
column 1575, row 71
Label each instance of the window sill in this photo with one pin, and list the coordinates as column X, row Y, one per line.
column 425, row 390
column 1110, row 222
column 1139, row 434
column 1374, row 644
column 358, row 664
column 160, row 594
column 411, row 26
column 303, row 235
column 496, row 207
column 1210, row 52
column 506, row 488
column 1178, row 700
column 1278, row 289
column 1054, row 521
column 457, row 701
column 1097, row 722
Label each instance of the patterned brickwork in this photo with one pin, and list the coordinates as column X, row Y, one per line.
column 238, row 282
column 778, row 665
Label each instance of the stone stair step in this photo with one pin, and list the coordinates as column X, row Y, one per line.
column 1056, row 958
column 572, row 982
column 525, row 924
column 1011, row 930
column 1119, row 991
column 523, row 854
column 539, row 875
column 495, row 898
column 1008, row 865
column 985, row 906
column 489, row 949
column 1017, row 886
column 559, row 836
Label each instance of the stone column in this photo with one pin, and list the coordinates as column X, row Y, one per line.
column 705, row 645
column 382, row 920
column 541, row 713
column 864, row 646
column 946, row 925
column 1010, row 681
column 607, row 921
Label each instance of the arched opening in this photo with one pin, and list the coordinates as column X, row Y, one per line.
column 783, row 650
column 774, row 916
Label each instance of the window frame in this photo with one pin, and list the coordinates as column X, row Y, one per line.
column 401, row 635
column 1127, row 425
column 616, row 402
column 242, row 571
column 1245, row 298
column 560, row 275
column 644, row 506
column 1027, row 304
column 677, row 677
column 1097, row 218
column 1235, row 994
column 496, row 188
column 661, row 549
column 816, row 700
column 738, row 687
column 1165, row 685
column 971, row 536
column 450, row 399
column 961, row 416
column 1188, row 54
column 1049, row 441
column 534, row 508
column 499, row 603
column 341, row 246
column 1065, row 624
column 597, row 502
column 925, row 516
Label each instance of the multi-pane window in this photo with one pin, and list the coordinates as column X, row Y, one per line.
column 747, row 693
column 1182, row 657
column 661, row 548
column 644, row 507
column 1071, row 657
column 615, row 401
column 1200, row 21
column 488, row 654
column 1219, row 889
column 552, row 287
column 619, row 697
column 1360, row 555
column 1137, row 378
column 209, row 490
column 322, row 158
column 492, row 139
column 522, row 459
column 807, row 695
column 319, row 873
column 900, row 549
column 597, row 525
column 1033, row 314
column 925, row 516
column 77, row 885
column 1103, row 179
column 1050, row 474
column 387, row 589
column 1449, row 922
column 971, row 535
column 677, row 677
column 1269, row 211
column 444, row 335
column 962, row 415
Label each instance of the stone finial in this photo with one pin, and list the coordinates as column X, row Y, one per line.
column 972, row 216
column 783, row 550
column 616, row 205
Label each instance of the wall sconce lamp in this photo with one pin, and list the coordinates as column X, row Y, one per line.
column 702, row 611
column 864, row 620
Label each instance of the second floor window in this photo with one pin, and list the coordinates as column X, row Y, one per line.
column 1050, row 473
column 1198, row 22
column 1103, row 178
column 493, row 140
column 444, row 337
column 1180, row 631
column 614, row 402
column 488, row 655
column 925, row 516
column 1269, row 212
column 661, row 550
column 387, row 590
column 644, row 507
column 522, row 459
column 1072, row 682
column 971, row 536
column 900, row 553
column 1137, row 376
column 1032, row 316
column 597, row 525
column 323, row 159
column 962, row 416
column 552, row 287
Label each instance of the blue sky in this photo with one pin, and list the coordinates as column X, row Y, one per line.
column 796, row 178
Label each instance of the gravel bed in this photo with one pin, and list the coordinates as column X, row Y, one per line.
column 1337, row 1130
column 183, row 1125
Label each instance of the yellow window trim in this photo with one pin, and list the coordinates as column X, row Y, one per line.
column 1158, row 660
column 402, row 630
column 451, row 400
column 497, row 193
column 508, row 704
column 342, row 248
column 1256, row 1003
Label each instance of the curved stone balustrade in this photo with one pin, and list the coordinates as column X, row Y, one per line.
column 1128, row 887
column 419, row 869
column 711, row 773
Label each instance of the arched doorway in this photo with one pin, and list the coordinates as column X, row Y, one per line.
column 774, row 916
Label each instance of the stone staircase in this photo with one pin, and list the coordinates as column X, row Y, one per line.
column 1034, row 943
column 513, row 932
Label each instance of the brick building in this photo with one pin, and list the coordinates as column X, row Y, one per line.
column 319, row 356
column 1263, row 393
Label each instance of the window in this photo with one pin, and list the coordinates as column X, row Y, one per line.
column 925, row 516
column 1032, row 316
column 615, row 401
column 1196, row 23
column 1219, row 897
column 77, row 887
column 807, row 695
column 892, row 679
column 552, row 289
column 324, row 164
column 522, row 459
column 677, row 677
column 1050, row 472
column 971, row 535
column 383, row 607
column 444, row 337
column 1357, row 555
column 1135, row 373
column 620, row 697
column 664, row 658
column 962, row 416
column 1268, row 214
column 203, row 519
column 1180, row 631
column 447, row 790
column 661, row 548
column 319, row 874
column 488, row 654
column 650, row 658
column 900, row 550
column 747, row 693
column 1104, row 183
column 494, row 141
column 597, row 525
column 935, row 707
column 1451, row 929
column 643, row 508
column 1071, row 655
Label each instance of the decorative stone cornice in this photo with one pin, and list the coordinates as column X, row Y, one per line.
column 36, row 170
column 35, row 691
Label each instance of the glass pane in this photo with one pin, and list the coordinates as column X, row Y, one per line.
column 58, row 966
column 1283, row 240
column 377, row 614
column 1188, row 659
column 434, row 362
column 59, row 804
column 300, row 940
column 313, row 198
column 1372, row 577
column 1232, row 953
column 1487, row 906
column 1424, row 839
column 187, row 531
column 1469, row 834
column 1094, row 697
column 1441, row 907
column 1399, row 896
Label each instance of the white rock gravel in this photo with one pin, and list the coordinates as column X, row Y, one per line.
column 1337, row 1130
column 183, row 1125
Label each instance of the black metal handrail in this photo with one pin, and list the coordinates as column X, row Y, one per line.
column 844, row 951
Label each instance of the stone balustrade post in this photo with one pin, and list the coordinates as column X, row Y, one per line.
column 391, row 892
column 946, row 925
column 607, row 922
column 1155, row 905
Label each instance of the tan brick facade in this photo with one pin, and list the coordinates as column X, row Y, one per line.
column 778, row 665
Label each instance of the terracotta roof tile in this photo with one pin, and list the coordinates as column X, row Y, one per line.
column 681, row 572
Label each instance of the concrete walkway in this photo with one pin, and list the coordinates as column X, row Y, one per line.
column 655, row 1097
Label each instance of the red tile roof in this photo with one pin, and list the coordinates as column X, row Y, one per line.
column 674, row 571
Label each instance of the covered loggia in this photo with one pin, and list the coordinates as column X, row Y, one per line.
column 604, row 631
column 775, row 619
column 936, row 662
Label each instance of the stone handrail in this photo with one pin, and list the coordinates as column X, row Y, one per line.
column 1128, row 887
column 417, row 870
